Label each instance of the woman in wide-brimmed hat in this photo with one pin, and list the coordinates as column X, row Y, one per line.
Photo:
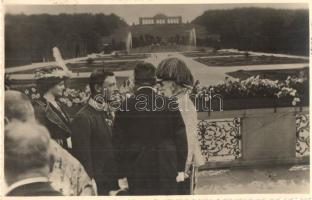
column 50, row 83
column 176, row 80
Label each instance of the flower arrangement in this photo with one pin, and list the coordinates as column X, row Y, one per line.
column 75, row 96
column 32, row 93
column 255, row 87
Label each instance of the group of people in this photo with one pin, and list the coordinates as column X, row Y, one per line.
column 145, row 145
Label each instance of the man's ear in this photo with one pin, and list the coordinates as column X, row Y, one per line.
column 97, row 88
column 174, row 86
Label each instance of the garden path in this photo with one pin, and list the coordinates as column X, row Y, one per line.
column 207, row 75
column 256, row 180
column 211, row 75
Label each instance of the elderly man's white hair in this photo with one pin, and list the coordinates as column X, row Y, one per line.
column 18, row 106
column 26, row 148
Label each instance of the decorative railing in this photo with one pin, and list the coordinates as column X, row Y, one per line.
column 220, row 140
column 302, row 135
column 222, row 136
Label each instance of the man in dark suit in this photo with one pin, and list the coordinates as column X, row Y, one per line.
column 27, row 160
column 150, row 138
column 92, row 136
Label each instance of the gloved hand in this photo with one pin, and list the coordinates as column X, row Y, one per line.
column 180, row 177
column 123, row 183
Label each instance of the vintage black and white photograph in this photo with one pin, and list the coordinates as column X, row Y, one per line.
column 156, row 99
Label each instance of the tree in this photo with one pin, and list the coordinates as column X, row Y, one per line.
column 259, row 29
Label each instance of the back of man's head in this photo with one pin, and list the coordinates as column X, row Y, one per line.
column 145, row 74
column 18, row 106
column 26, row 150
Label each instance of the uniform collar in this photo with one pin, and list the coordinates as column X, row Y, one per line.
column 97, row 105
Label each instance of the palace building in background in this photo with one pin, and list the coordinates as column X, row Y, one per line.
column 159, row 31
column 160, row 19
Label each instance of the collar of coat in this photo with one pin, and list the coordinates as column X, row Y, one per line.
column 97, row 105
column 53, row 117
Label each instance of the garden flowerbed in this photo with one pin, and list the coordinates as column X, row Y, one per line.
column 117, row 57
column 89, row 67
column 249, row 60
column 210, row 53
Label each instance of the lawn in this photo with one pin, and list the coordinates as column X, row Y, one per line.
column 274, row 74
column 210, row 53
column 248, row 60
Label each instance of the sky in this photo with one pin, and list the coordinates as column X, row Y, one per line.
column 131, row 13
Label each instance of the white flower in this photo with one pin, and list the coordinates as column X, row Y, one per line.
column 63, row 100
column 279, row 94
column 27, row 91
column 300, row 80
column 295, row 100
column 76, row 100
column 37, row 96
column 293, row 93
column 65, row 93
column 33, row 89
column 69, row 104
column 82, row 94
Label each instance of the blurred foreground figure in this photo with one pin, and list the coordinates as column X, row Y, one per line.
column 17, row 106
column 67, row 175
column 27, row 157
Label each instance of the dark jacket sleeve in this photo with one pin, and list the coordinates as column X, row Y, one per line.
column 81, row 142
column 180, row 139
column 40, row 113
column 119, row 144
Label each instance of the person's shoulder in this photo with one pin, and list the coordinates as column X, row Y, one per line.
column 34, row 189
column 39, row 104
column 84, row 112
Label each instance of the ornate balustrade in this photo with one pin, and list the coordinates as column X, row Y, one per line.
column 302, row 135
column 220, row 139
column 249, row 136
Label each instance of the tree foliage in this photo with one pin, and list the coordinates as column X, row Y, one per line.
column 30, row 38
column 259, row 29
